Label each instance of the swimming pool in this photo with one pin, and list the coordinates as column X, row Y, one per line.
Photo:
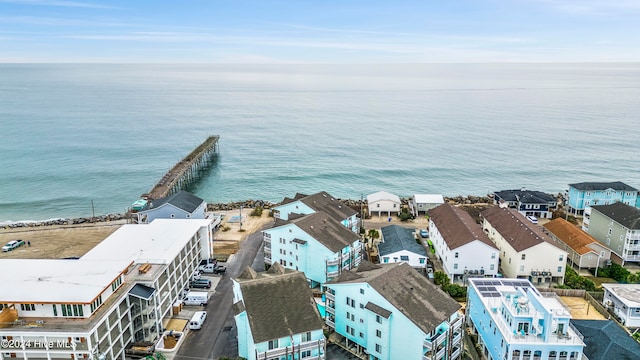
column 322, row 310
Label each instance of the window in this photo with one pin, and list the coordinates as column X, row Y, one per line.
column 386, row 259
column 273, row 344
column 361, row 335
column 404, row 258
column 493, row 255
column 306, row 336
column 378, row 319
column 27, row 307
column 455, row 266
column 378, row 333
column 492, row 267
column 55, row 310
column 559, row 269
column 361, row 306
column 509, row 260
column 610, row 230
column 348, row 315
column 524, row 256
column 377, row 205
column 561, row 258
column 521, row 268
column 362, row 291
column 455, row 255
column 394, row 206
column 378, row 348
column 422, row 260
column 351, row 302
column 305, row 354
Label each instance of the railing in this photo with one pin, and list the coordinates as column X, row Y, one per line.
column 329, row 295
column 427, row 344
column 288, row 350
column 267, row 259
column 456, row 338
column 457, row 323
column 333, row 262
column 331, row 323
column 441, row 339
column 331, row 274
column 455, row 353
column 330, row 310
column 632, row 257
column 346, row 255
column 266, row 239
column 441, row 353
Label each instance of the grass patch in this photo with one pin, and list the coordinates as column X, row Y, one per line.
column 598, row 281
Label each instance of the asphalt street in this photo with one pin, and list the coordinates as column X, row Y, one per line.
column 218, row 336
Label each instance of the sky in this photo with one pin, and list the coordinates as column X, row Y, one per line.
column 320, row 31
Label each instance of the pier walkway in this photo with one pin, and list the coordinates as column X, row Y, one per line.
column 186, row 171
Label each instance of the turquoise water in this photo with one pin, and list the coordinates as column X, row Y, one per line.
column 71, row 135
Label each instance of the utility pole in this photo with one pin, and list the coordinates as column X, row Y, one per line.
column 93, row 210
column 240, row 217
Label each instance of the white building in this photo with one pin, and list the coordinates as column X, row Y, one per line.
column 93, row 307
column 383, row 202
column 421, row 203
column 624, row 300
column 465, row 250
column 525, row 250
column 399, row 245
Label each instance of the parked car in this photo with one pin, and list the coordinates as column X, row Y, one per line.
column 219, row 269
column 196, row 275
column 201, row 284
column 533, row 219
column 424, row 233
column 13, row 244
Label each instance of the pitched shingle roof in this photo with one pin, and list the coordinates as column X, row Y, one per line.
column 397, row 238
column 592, row 186
column 382, row 195
column 571, row 235
column 410, row 293
column 326, row 230
column 182, row 200
column 457, row 227
column 516, row 230
column 626, row 215
column 279, row 303
column 604, row 339
column 323, row 201
column 525, row 196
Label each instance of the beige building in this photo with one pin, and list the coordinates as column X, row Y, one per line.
column 583, row 250
column 383, row 203
column 526, row 252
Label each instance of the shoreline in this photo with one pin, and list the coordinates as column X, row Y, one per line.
column 215, row 207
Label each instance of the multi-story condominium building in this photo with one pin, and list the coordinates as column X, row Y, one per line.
column 582, row 249
column 399, row 245
column 315, row 244
column 528, row 202
column 276, row 316
column 616, row 226
column 94, row 306
column 322, row 201
column 421, row 203
column 465, row 250
column 624, row 301
column 515, row 322
column 583, row 195
column 390, row 311
column 383, row 202
column 181, row 205
column 525, row 250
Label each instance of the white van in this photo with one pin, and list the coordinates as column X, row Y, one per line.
column 196, row 298
column 197, row 320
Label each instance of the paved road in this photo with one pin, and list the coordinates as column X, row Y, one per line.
column 218, row 336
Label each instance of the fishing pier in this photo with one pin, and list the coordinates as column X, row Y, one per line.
column 185, row 172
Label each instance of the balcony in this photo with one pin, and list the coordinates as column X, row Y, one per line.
column 289, row 350
column 456, row 352
column 333, row 262
column 332, row 274
column 456, row 338
column 330, row 323
column 632, row 246
column 632, row 258
column 330, row 310
column 441, row 353
column 267, row 240
column 457, row 323
column 267, row 259
column 329, row 295
column 427, row 344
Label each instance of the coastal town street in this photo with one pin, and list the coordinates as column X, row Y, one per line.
column 217, row 338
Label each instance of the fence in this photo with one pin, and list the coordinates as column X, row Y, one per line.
column 566, row 292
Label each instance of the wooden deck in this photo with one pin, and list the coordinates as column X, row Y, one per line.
column 186, row 171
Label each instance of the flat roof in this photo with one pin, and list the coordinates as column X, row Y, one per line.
column 158, row 242
column 627, row 293
column 55, row 280
column 429, row 198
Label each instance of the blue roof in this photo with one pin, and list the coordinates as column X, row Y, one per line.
column 607, row 340
column 397, row 238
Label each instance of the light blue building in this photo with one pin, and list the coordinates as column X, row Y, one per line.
column 390, row 311
column 276, row 316
column 322, row 201
column 516, row 322
column 583, row 195
column 315, row 244
column 181, row 205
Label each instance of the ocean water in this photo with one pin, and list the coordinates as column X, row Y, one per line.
column 76, row 135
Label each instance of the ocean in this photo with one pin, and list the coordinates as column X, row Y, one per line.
column 82, row 139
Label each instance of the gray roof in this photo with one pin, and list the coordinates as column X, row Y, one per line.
column 525, row 196
column 182, row 200
column 520, row 233
column 142, row 291
column 378, row 310
column 604, row 339
column 593, row 186
column 323, row 201
column 626, row 215
column 410, row 293
column 326, row 230
column 457, row 227
column 278, row 303
column 397, row 238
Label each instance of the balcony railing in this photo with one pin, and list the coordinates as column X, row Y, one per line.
column 330, row 323
column 330, row 310
column 632, row 258
column 267, row 259
column 441, row 339
column 332, row 274
column 289, row 350
column 330, row 296
column 632, row 246
column 457, row 323
column 267, row 240
column 333, row 262
column 456, row 338
column 455, row 353
column 441, row 353
column 427, row 344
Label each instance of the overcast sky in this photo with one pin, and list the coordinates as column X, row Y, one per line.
column 320, row 31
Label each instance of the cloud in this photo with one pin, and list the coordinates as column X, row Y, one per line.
column 58, row 3
column 593, row 7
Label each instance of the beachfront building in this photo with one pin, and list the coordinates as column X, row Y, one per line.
column 181, row 205
column 399, row 245
column 390, row 311
column 624, row 301
column 585, row 194
column 461, row 245
column 315, row 244
column 514, row 322
column 525, row 250
column 302, row 204
column 582, row 250
column 421, row 203
column 528, row 202
column 605, row 339
column 383, row 202
column 289, row 326
column 93, row 307
column 616, row 226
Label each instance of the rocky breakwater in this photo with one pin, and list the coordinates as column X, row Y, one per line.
column 66, row 221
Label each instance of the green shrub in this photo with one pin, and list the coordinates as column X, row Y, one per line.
column 455, row 291
column 574, row 281
column 440, row 278
column 256, row 212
